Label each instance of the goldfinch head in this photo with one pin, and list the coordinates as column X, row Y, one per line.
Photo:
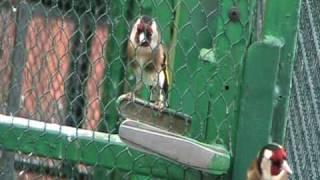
column 272, row 161
column 145, row 32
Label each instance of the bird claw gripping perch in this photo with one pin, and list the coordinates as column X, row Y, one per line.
column 130, row 96
column 137, row 109
column 214, row 159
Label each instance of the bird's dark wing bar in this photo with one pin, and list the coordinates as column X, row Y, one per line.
column 214, row 159
column 168, row 119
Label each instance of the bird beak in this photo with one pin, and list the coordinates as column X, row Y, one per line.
column 142, row 38
column 286, row 167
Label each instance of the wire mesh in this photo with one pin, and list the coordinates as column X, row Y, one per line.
column 73, row 66
column 303, row 124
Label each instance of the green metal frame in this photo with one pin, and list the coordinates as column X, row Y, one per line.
column 97, row 149
column 266, row 85
column 254, row 78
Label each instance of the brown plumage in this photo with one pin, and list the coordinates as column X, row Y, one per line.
column 253, row 172
column 271, row 164
column 148, row 58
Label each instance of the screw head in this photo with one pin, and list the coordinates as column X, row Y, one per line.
column 234, row 14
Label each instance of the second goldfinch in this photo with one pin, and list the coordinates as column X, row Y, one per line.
column 271, row 164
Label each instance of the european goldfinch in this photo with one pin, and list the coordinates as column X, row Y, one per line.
column 271, row 164
column 149, row 60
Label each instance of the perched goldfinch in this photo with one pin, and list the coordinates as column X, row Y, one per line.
column 271, row 164
column 148, row 59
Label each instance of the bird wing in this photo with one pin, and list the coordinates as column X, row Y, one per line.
column 161, row 62
column 130, row 50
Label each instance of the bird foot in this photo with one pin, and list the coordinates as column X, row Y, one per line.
column 160, row 105
column 131, row 96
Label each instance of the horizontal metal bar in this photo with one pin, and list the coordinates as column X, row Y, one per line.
column 30, row 160
column 81, row 146
column 45, row 166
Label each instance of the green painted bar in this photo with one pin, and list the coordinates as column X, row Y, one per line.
column 115, row 65
column 256, row 105
column 281, row 20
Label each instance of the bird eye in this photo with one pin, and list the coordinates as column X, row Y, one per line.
column 149, row 32
column 276, row 163
column 284, row 157
column 140, row 28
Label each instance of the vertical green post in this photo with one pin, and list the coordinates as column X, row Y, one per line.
column 266, row 84
column 115, row 69
column 256, row 105
column 281, row 20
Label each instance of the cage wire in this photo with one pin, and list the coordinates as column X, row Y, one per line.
column 65, row 62
column 302, row 139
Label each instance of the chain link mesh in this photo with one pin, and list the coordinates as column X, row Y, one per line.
column 70, row 78
column 304, row 118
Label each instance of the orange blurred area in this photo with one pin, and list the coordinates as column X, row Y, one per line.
column 47, row 65
column 95, row 78
column 48, row 44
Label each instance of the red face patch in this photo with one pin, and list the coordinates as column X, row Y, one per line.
column 147, row 30
column 140, row 28
column 277, row 158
